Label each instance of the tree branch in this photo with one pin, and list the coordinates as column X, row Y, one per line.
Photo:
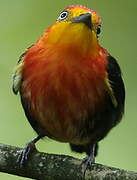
column 42, row 166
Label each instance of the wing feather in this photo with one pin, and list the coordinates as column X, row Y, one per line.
column 17, row 76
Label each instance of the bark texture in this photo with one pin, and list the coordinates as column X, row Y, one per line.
column 42, row 166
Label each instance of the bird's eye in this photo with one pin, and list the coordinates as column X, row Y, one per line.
column 98, row 30
column 63, row 15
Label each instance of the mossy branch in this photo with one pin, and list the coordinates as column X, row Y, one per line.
column 42, row 166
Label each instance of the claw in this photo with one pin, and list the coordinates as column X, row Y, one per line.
column 25, row 153
column 89, row 160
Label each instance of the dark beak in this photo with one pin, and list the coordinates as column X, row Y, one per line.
column 83, row 18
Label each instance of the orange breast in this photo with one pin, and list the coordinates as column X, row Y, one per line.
column 62, row 93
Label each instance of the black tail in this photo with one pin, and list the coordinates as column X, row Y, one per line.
column 84, row 148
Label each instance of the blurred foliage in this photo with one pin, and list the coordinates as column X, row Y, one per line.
column 21, row 23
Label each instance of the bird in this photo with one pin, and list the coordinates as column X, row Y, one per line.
column 70, row 87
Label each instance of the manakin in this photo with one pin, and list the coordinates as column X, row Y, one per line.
column 71, row 88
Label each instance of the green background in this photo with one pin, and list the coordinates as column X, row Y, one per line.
column 21, row 23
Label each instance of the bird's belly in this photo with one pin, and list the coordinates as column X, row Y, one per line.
column 64, row 117
column 63, row 101
column 64, row 125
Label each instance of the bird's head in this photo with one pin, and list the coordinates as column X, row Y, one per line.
column 76, row 26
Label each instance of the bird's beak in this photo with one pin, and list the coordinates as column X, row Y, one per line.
column 84, row 18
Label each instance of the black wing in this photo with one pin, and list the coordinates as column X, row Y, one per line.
column 117, row 84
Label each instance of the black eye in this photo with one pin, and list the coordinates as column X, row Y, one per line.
column 63, row 15
column 98, row 30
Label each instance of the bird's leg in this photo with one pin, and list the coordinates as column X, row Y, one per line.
column 27, row 150
column 89, row 159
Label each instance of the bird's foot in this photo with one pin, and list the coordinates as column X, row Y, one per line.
column 25, row 153
column 89, row 160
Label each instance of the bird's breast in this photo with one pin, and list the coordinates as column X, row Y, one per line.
column 63, row 94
